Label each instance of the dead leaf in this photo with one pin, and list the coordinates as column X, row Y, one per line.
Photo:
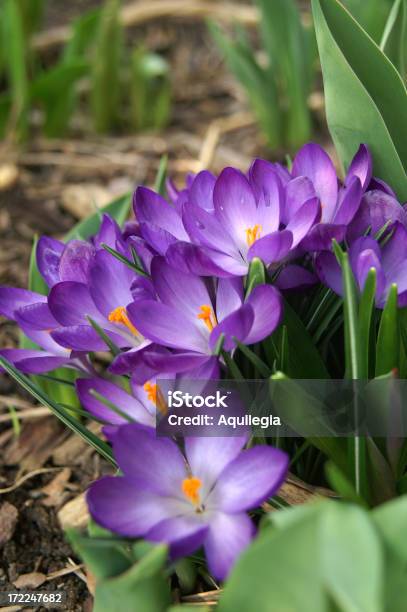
column 35, row 444
column 8, row 521
column 55, row 490
column 30, row 581
column 8, row 176
column 90, row 582
column 72, row 451
column 74, row 513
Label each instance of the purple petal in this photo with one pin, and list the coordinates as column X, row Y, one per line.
column 295, row 277
column 383, row 208
column 115, row 394
column 184, row 292
column 321, row 235
column 312, row 161
column 208, row 457
column 268, row 189
column 235, row 205
column 157, row 462
column 201, row 190
column 84, row 338
column 109, row 283
column 329, row 271
column 271, row 248
column 48, row 254
column 349, row 202
column 37, row 315
column 268, row 309
column 71, row 302
column 367, row 260
column 361, row 167
column 378, row 184
column 229, row 296
column 205, row 229
column 236, row 489
column 151, row 208
column 298, row 191
column 236, row 325
column 118, row 505
column 184, row 534
column 228, row 537
column 157, row 238
column 395, row 249
column 167, row 326
column 202, row 261
column 75, row 260
column 13, row 298
column 302, row 221
column 109, row 233
column 33, row 361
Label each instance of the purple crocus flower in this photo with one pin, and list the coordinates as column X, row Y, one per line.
column 378, row 209
column 190, row 501
column 188, row 316
column 30, row 310
column 225, row 222
column 58, row 262
column 389, row 261
column 104, row 297
column 314, row 173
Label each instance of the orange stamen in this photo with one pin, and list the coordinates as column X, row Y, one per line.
column 155, row 395
column 252, row 234
column 190, row 488
column 208, row 316
column 119, row 315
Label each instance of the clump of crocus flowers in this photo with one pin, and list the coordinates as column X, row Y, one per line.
column 171, row 296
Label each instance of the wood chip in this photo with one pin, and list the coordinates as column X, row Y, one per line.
column 74, row 513
column 30, row 581
column 8, row 521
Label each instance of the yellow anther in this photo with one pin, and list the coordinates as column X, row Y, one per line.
column 208, row 316
column 119, row 315
column 155, row 395
column 190, row 488
column 252, row 234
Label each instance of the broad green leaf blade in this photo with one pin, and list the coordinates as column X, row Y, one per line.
column 366, row 100
column 104, row 558
column 143, row 587
column 371, row 15
column 63, row 414
column 118, row 209
column 388, row 341
column 394, row 39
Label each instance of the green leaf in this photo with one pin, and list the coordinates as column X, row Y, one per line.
column 105, row 82
column 256, row 275
column 16, row 65
column 281, row 28
column 353, row 360
column 342, row 485
column 63, row 414
column 159, row 184
column 258, row 363
column 366, row 310
column 118, row 209
column 366, row 100
column 388, row 340
column 371, row 15
column 304, row 358
column 394, row 39
column 260, row 86
column 104, row 557
column 150, row 90
column 142, row 587
column 391, row 519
